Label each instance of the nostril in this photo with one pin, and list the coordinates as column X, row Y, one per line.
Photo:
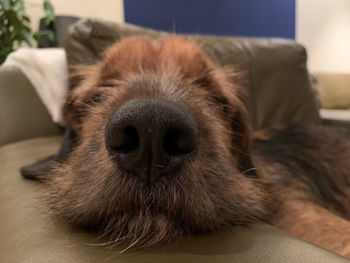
column 170, row 143
column 179, row 142
column 127, row 140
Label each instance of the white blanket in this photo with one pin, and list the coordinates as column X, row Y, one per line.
column 46, row 69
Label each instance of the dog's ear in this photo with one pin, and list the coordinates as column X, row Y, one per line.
column 226, row 93
column 241, row 130
column 240, row 127
column 85, row 92
column 41, row 169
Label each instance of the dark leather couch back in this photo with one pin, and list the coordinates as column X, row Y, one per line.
column 276, row 80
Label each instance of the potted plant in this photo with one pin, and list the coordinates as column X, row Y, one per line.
column 15, row 26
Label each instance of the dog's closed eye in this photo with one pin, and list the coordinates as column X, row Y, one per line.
column 93, row 98
column 108, row 84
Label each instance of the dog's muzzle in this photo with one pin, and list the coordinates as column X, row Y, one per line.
column 151, row 138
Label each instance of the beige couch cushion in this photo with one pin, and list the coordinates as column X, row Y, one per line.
column 333, row 90
column 27, row 234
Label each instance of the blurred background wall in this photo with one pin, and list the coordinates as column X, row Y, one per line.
column 322, row 26
column 111, row 10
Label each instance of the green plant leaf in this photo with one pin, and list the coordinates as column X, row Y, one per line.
column 19, row 5
column 13, row 19
column 5, row 4
column 26, row 38
column 51, row 36
column 14, row 26
column 4, row 53
column 49, row 11
column 26, row 28
column 26, row 18
column 36, row 36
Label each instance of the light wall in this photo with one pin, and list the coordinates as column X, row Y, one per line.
column 111, row 10
column 323, row 27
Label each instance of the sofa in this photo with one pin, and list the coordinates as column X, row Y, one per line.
column 277, row 91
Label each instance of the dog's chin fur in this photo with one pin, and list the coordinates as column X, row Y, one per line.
column 203, row 197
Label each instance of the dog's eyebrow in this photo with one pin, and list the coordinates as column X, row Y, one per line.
column 108, row 83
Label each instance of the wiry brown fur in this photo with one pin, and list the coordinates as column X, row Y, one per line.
column 207, row 194
column 309, row 173
column 298, row 172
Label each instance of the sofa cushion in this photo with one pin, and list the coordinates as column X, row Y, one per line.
column 333, row 90
column 28, row 234
column 276, row 81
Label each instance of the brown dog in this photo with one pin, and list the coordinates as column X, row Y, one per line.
column 158, row 146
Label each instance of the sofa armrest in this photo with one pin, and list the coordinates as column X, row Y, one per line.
column 22, row 114
column 336, row 117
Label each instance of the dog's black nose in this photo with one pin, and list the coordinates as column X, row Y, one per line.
column 151, row 138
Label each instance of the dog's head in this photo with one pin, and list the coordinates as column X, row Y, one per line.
column 160, row 137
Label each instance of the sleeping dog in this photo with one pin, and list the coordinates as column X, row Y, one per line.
column 158, row 146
